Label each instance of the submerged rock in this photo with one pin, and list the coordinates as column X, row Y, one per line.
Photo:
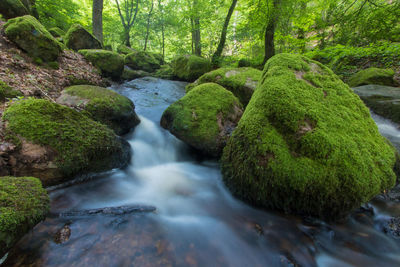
column 383, row 100
column 142, row 61
column 306, row 144
column 12, row 8
column 204, row 118
column 111, row 64
column 78, row 38
column 373, row 76
column 240, row 81
column 23, row 204
column 189, row 67
column 33, row 38
column 102, row 105
column 56, row 143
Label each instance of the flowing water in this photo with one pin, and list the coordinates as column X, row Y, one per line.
column 197, row 222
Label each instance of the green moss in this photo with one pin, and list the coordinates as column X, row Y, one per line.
column 190, row 67
column 142, row 61
column 106, row 106
column 165, row 72
column 240, row 81
column 197, row 117
column 56, row 32
column 125, row 50
column 12, row 8
column 32, row 37
column 78, row 38
column 6, row 92
column 373, row 76
column 130, row 74
column 23, row 203
column 111, row 64
column 81, row 143
column 306, row 144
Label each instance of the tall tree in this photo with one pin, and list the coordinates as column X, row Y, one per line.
column 269, row 44
column 148, row 25
column 130, row 17
column 97, row 19
column 160, row 7
column 195, row 22
column 222, row 40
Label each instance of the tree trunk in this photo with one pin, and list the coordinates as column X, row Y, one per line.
column 162, row 28
column 196, row 36
column 221, row 45
column 148, row 25
column 127, row 37
column 97, row 19
column 270, row 32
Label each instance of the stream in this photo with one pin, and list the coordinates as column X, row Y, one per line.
column 196, row 222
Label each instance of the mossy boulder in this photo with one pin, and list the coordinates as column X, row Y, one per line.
column 190, row 67
column 240, row 81
column 78, row 38
column 6, row 92
column 56, row 143
column 23, row 204
column 111, row 64
column 125, row 50
column 306, row 144
column 383, row 100
column 165, row 72
column 142, row 61
column 204, row 118
column 130, row 74
column 12, row 8
column 102, row 105
column 56, row 32
column 373, row 76
column 33, row 38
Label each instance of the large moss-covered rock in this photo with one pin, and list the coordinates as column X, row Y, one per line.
column 23, row 204
column 190, row 67
column 373, row 76
column 56, row 32
column 306, row 144
column 111, row 64
column 78, row 38
column 240, row 81
column 204, row 118
column 6, row 92
column 56, row 143
column 102, row 105
column 165, row 72
column 383, row 100
column 125, row 50
column 33, row 38
column 130, row 74
column 12, row 8
column 142, row 61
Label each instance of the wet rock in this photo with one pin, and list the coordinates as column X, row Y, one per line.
column 122, row 210
column 291, row 152
column 204, row 118
column 102, row 105
column 62, row 235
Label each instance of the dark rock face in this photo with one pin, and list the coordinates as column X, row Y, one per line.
column 78, row 38
column 204, row 118
column 12, row 8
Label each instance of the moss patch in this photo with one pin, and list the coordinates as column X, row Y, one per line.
column 78, row 38
column 204, row 117
column 142, row 61
column 23, row 203
column 81, row 144
column 111, row 64
column 125, row 50
column 306, row 144
column 373, row 76
column 240, row 81
column 105, row 106
column 56, row 32
column 6, row 92
column 190, row 67
column 32, row 37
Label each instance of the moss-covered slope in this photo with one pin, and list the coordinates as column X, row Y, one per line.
column 373, row 76
column 204, row 118
column 103, row 105
column 78, row 144
column 111, row 64
column 306, row 144
column 23, row 203
column 240, row 81
column 33, row 38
